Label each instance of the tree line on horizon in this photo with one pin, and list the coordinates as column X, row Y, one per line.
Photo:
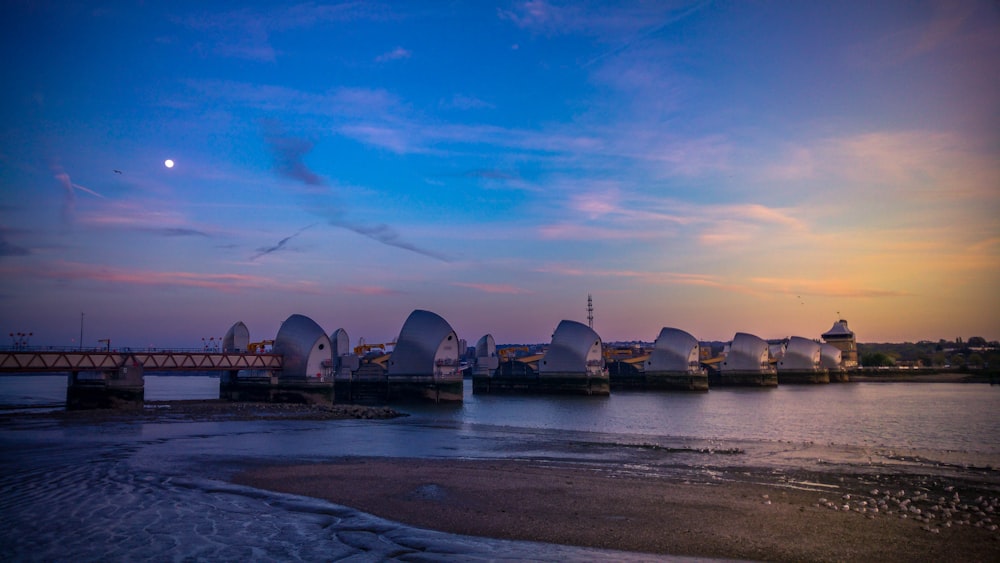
column 974, row 353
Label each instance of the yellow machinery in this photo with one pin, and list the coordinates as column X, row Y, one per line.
column 259, row 347
column 622, row 352
column 510, row 352
column 364, row 348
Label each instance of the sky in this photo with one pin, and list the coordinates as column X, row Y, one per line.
column 718, row 167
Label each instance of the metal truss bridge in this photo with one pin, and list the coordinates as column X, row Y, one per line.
column 31, row 361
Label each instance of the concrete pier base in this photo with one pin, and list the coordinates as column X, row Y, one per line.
column 266, row 388
column 570, row 384
column 676, row 381
column 439, row 390
column 367, row 391
column 744, row 379
column 839, row 376
column 803, row 377
column 386, row 389
column 121, row 388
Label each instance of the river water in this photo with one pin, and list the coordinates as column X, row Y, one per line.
column 159, row 490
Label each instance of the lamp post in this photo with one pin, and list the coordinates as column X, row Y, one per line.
column 209, row 344
column 20, row 340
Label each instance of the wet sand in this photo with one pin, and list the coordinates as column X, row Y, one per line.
column 747, row 514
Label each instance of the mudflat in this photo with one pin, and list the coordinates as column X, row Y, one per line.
column 749, row 514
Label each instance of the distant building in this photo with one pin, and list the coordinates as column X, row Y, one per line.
column 842, row 337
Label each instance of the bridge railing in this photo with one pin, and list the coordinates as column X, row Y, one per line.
column 75, row 360
column 115, row 350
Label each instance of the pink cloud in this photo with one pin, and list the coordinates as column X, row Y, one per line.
column 826, row 288
column 577, row 231
column 138, row 217
column 226, row 283
column 656, row 278
column 493, row 288
column 369, row 290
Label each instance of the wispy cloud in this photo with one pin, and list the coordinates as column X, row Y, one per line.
column 288, row 154
column 380, row 119
column 70, row 272
column 493, row 288
column 952, row 23
column 652, row 277
column 346, row 102
column 396, row 54
column 594, row 18
column 245, row 33
column 465, row 102
column 280, row 245
column 825, row 287
column 387, row 235
column 610, row 213
column 757, row 286
column 9, row 249
column 140, row 216
column 570, row 230
column 903, row 168
column 368, row 290
column 69, row 193
column 393, row 138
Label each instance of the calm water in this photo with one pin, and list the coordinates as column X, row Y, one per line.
column 946, row 416
column 145, row 490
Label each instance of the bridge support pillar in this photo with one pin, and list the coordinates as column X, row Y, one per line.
column 271, row 388
column 121, row 388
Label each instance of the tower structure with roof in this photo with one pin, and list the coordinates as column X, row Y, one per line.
column 843, row 339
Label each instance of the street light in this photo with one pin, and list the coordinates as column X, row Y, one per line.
column 20, row 339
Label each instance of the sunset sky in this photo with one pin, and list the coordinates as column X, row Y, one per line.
column 762, row 167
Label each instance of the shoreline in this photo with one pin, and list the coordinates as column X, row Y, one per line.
column 747, row 513
column 200, row 410
column 920, row 376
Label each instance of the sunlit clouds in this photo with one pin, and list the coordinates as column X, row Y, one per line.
column 713, row 167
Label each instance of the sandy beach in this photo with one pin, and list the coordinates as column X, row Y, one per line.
column 749, row 514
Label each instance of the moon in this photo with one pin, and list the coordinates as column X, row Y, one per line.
column 168, row 163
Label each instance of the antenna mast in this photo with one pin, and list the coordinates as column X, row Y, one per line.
column 590, row 311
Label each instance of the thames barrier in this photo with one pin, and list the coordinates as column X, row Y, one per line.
column 428, row 362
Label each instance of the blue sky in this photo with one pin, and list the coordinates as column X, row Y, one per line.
column 713, row 166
